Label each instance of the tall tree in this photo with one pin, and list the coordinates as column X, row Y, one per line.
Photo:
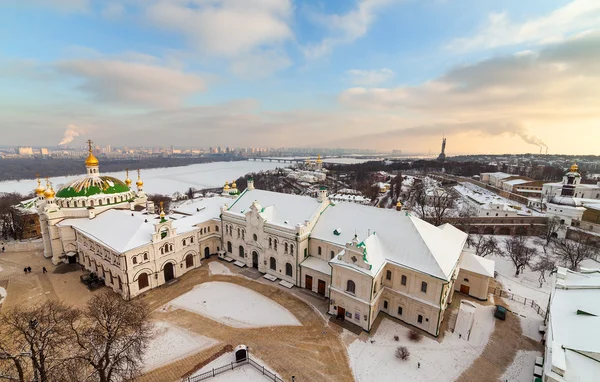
column 518, row 252
column 572, row 252
column 114, row 337
column 37, row 341
column 485, row 245
column 543, row 265
column 552, row 225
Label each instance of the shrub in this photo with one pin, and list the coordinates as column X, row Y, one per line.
column 396, row 338
column 415, row 336
column 402, row 353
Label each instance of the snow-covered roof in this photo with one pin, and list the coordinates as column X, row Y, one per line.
column 120, row 230
column 498, row 175
column 277, row 208
column 317, row 264
column 477, row 264
column 399, row 237
column 516, row 181
column 202, row 205
column 574, row 322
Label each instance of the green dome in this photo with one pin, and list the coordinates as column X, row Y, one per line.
column 93, row 186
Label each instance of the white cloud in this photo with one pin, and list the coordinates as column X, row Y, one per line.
column 346, row 28
column 369, row 77
column 113, row 10
column 499, row 30
column 138, row 83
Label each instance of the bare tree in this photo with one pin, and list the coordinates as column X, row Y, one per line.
column 114, row 337
column 433, row 205
column 36, row 341
column 545, row 264
column 572, row 252
column 486, row 245
column 518, row 252
column 552, row 225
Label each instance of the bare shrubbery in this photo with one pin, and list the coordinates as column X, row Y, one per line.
column 415, row 336
column 402, row 353
column 396, row 338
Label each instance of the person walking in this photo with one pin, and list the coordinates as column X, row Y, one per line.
column 29, row 269
column 44, row 270
column 25, row 269
column 418, row 365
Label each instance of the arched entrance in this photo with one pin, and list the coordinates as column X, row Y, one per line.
column 168, row 271
column 142, row 281
column 254, row 259
column 206, row 253
column 189, row 261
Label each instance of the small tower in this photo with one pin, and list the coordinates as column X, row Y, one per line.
column 49, row 193
column 91, row 163
column 570, row 181
column 322, row 196
column 250, row 186
column 319, row 162
column 398, row 206
column 162, row 213
column 442, row 156
column 39, row 191
column 139, row 183
column 127, row 180
column 226, row 188
column 233, row 187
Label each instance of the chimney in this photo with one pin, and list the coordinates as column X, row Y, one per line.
column 322, row 195
column 250, row 186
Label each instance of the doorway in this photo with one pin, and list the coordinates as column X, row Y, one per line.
column 255, row 260
column 206, row 253
column 308, row 282
column 168, row 271
column 321, row 288
column 341, row 313
column 464, row 289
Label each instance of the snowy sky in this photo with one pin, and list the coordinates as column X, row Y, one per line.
column 388, row 74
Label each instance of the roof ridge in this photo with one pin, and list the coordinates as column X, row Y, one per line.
column 413, row 219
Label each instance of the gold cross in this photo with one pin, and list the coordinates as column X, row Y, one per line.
column 89, row 142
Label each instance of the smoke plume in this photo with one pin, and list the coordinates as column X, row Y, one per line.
column 529, row 138
column 71, row 132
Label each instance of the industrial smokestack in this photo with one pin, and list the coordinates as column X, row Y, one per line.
column 546, row 150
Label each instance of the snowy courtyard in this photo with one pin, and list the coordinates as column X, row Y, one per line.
column 246, row 373
column 375, row 359
column 170, row 343
column 521, row 370
column 234, row 305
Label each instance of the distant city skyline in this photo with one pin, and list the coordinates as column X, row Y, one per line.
column 509, row 77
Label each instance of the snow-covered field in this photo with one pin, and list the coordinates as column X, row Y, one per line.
column 245, row 373
column 234, row 305
column 521, row 370
column 443, row 361
column 216, row 268
column 170, row 343
column 164, row 180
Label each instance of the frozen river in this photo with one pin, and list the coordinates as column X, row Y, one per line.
column 163, row 180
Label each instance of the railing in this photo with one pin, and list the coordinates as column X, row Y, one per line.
column 232, row 366
column 526, row 301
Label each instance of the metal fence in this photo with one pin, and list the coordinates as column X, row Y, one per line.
column 526, row 301
column 233, row 365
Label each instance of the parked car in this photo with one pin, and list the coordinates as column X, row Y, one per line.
column 500, row 312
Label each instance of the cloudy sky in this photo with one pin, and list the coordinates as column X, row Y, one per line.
column 499, row 77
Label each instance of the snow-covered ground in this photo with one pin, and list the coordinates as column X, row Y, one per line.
column 164, row 180
column 245, row 373
column 216, row 268
column 234, row 305
column 476, row 196
column 2, row 294
column 170, row 343
column 445, row 361
column 521, row 369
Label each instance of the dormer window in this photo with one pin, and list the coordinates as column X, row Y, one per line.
column 350, row 287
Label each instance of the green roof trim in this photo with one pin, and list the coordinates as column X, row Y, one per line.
column 117, row 187
column 584, row 313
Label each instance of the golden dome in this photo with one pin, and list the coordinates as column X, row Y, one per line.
column 574, row 168
column 398, row 204
column 139, row 182
column 233, row 185
column 226, row 187
column 40, row 189
column 319, row 159
column 49, row 192
column 127, row 180
column 162, row 211
column 91, row 159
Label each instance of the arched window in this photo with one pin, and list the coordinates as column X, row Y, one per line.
column 350, row 287
column 255, row 237
column 239, row 232
column 189, row 261
column 273, row 263
column 388, row 275
column 285, row 248
column 292, row 249
column 243, row 234
column 143, row 281
column 207, row 229
column 134, row 260
column 192, row 240
column 241, row 251
column 332, row 254
column 145, row 255
column 270, row 242
column 229, row 246
column 275, row 244
column 319, row 251
column 216, row 228
column 423, row 287
column 403, row 280
column 288, row 269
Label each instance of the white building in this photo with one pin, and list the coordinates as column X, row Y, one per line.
column 572, row 348
column 565, row 206
column 494, row 178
